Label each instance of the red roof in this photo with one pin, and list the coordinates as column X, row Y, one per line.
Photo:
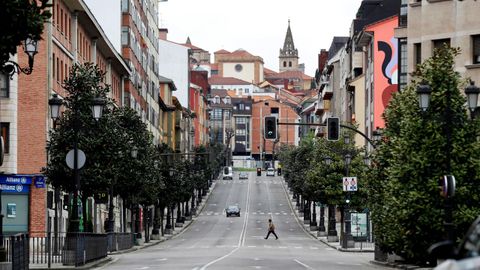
column 217, row 80
column 192, row 46
column 268, row 72
column 222, row 51
column 289, row 74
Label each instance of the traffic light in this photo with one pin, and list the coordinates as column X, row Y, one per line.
column 271, row 127
column 333, row 128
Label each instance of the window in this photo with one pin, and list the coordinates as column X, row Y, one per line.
column 403, row 13
column 124, row 5
column 240, row 132
column 402, row 74
column 228, row 100
column 273, row 110
column 217, row 114
column 284, row 64
column 227, row 115
column 5, row 131
column 476, row 49
column 246, row 91
column 240, row 120
column 217, row 100
column 125, row 37
column 290, row 64
column 439, row 43
column 417, row 50
column 241, row 106
column 238, row 67
column 4, row 85
column 247, row 108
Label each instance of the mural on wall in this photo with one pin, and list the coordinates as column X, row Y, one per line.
column 385, row 66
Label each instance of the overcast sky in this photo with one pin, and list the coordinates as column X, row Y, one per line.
column 258, row 26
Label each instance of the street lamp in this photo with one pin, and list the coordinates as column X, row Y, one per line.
column 424, row 95
column 347, row 237
column 30, row 47
column 55, row 104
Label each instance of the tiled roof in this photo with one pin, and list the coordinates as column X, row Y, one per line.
column 217, row 80
column 267, row 71
column 289, row 74
column 192, row 47
column 219, row 92
column 222, row 51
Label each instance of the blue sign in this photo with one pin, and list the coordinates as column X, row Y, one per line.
column 24, row 179
column 19, row 188
column 40, row 182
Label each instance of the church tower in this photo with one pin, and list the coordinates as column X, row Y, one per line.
column 288, row 59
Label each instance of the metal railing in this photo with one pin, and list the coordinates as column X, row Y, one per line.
column 120, row 241
column 19, row 251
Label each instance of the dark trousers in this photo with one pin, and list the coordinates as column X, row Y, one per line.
column 269, row 232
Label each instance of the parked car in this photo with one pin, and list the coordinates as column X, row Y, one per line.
column 466, row 256
column 243, row 175
column 227, row 173
column 270, row 172
column 232, row 210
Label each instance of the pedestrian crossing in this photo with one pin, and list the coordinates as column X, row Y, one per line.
column 228, row 182
column 265, row 246
column 211, row 213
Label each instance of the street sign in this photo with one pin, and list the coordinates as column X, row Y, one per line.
column 80, row 159
column 350, row 183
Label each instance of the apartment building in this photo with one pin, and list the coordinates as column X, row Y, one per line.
column 73, row 37
column 140, row 49
column 420, row 31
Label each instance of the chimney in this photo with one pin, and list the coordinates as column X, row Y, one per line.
column 162, row 33
column 322, row 59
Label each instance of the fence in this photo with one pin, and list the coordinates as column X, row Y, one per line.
column 120, row 241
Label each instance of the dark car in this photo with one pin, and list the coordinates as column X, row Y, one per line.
column 232, row 210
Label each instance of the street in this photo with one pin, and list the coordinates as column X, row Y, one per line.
column 214, row 241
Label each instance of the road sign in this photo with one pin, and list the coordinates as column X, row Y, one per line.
column 350, row 183
column 80, row 159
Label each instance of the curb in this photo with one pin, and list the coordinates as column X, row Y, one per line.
column 397, row 265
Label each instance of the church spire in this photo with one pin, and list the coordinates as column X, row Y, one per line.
column 288, row 45
column 188, row 41
column 288, row 54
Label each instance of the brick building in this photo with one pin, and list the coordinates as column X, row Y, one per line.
column 73, row 36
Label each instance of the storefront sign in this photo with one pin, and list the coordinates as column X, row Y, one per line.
column 14, row 188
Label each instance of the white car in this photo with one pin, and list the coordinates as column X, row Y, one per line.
column 270, row 172
column 227, row 173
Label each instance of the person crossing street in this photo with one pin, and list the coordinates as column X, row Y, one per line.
column 271, row 229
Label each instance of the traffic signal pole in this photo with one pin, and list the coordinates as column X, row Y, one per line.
column 324, row 125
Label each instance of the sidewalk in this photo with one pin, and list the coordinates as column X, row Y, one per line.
column 107, row 260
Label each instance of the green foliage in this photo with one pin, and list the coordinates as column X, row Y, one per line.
column 408, row 211
column 21, row 19
column 107, row 143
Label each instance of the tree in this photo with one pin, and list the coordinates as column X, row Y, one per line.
column 21, row 19
column 409, row 212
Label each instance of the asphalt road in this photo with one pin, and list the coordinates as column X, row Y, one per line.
column 214, row 241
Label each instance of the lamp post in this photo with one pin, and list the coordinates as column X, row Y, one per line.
column 97, row 109
column 347, row 236
column 424, row 95
column 30, row 47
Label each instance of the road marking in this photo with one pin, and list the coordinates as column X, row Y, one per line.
column 313, row 247
column 302, row 264
column 141, row 268
column 241, row 240
column 253, row 247
column 161, row 260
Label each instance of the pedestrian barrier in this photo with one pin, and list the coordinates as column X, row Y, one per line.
column 120, row 241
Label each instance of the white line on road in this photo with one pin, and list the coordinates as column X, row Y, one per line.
column 142, row 268
column 241, row 240
column 302, row 264
column 161, row 260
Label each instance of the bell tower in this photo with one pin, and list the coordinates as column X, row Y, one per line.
column 288, row 59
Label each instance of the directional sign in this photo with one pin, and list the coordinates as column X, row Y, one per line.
column 350, row 183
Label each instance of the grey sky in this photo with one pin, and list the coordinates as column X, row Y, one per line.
column 258, row 26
